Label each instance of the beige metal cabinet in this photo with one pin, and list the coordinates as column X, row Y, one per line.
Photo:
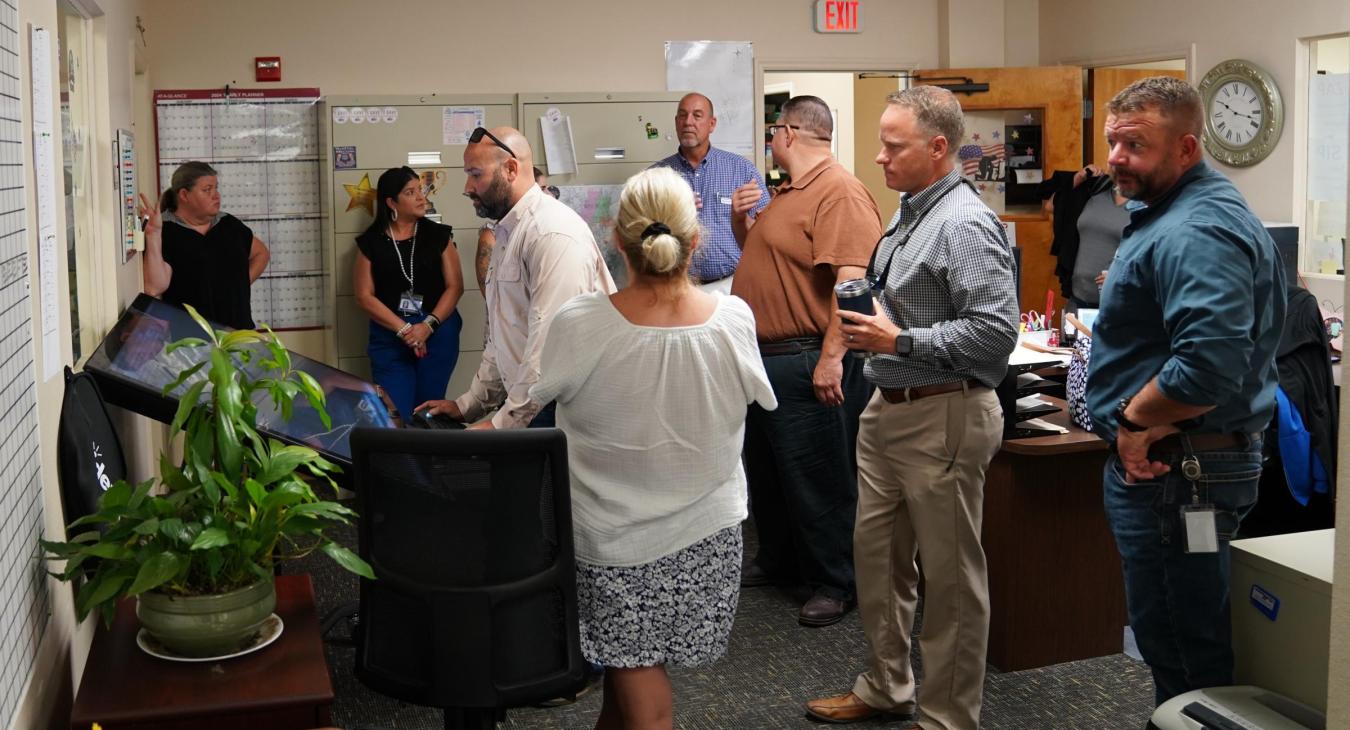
column 405, row 125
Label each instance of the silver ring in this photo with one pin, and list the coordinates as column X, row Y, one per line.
column 850, row 338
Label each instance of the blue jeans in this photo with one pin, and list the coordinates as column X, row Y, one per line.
column 408, row 379
column 802, row 472
column 1177, row 601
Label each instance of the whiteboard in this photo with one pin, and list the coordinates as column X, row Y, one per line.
column 723, row 71
column 23, row 591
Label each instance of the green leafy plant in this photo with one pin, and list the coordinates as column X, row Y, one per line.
column 237, row 503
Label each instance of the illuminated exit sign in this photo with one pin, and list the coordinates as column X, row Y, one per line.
column 838, row 16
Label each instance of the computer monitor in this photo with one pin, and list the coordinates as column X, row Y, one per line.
column 1286, row 245
column 132, row 366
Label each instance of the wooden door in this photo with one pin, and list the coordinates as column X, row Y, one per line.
column 1106, row 83
column 869, row 101
column 1058, row 93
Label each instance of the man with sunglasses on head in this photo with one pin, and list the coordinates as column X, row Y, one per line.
column 715, row 177
column 545, row 255
column 819, row 230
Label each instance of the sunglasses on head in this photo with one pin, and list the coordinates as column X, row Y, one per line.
column 478, row 134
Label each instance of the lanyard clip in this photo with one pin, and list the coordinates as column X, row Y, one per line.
column 1190, row 468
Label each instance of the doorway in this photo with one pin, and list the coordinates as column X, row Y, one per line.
column 1100, row 83
column 856, row 100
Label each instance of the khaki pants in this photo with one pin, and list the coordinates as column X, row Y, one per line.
column 921, row 472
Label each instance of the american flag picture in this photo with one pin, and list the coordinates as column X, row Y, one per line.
column 982, row 162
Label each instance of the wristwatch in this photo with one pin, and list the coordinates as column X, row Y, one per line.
column 904, row 344
column 1124, row 422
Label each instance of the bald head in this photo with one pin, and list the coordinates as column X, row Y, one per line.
column 694, row 124
column 498, row 173
column 695, row 100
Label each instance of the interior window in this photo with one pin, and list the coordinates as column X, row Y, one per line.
column 1328, row 91
column 74, row 40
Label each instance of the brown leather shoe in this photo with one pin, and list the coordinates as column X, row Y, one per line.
column 822, row 611
column 841, row 709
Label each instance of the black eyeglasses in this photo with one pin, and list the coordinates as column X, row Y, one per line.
column 478, row 134
column 773, row 130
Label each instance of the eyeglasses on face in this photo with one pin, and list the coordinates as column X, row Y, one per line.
column 478, row 134
column 773, row 131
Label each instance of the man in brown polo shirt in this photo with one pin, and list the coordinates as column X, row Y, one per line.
column 819, row 230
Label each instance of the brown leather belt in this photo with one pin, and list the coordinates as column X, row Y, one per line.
column 1173, row 444
column 794, row 346
column 909, row 395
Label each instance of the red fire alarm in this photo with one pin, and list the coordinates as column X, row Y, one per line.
column 267, row 68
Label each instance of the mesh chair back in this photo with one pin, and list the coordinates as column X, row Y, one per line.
column 89, row 456
column 470, row 536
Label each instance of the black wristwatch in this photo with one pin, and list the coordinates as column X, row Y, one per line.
column 904, row 344
column 1124, row 422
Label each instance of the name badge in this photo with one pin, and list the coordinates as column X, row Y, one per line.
column 725, row 200
column 409, row 303
column 1201, row 535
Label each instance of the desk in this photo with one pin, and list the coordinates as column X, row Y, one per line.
column 284, row 686
column 1055, row 587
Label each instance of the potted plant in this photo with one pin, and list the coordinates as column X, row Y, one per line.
column 198, row 552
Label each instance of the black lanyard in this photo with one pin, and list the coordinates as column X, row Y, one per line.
column 877, row 283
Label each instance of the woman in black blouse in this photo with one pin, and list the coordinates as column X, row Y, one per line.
column 407, row 277
column 195, row 254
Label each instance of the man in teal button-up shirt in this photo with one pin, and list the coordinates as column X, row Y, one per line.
column 1182, row 371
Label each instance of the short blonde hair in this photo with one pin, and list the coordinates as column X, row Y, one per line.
column 657, row 198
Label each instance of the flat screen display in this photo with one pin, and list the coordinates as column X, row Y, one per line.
column 132, row 366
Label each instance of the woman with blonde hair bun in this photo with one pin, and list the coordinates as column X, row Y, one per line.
column 652, row 385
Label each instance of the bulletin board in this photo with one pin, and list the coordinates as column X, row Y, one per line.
column 265, row 145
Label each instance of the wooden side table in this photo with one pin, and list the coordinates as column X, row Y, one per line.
column 284, row 686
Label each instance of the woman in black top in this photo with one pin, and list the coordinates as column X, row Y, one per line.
column 194, row 254
column 407, row 278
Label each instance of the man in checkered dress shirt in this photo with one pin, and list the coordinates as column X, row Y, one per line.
column 947, row 324
column 714, row 176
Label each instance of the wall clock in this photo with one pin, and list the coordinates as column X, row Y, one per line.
column 1244, row 113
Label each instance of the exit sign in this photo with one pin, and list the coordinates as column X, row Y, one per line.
column 838, row 16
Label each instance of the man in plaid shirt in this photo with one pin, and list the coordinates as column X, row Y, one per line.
column 946, row 325
column 714, row 175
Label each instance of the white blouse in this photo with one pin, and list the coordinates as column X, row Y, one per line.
column 655, row 420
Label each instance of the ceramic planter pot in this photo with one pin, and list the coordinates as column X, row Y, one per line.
column 203, row 626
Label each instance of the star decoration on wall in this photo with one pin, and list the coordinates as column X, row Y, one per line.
column 361, row 195
column 996, row 135
column 975, row 137
column 1028, row 118
column 1016, row 135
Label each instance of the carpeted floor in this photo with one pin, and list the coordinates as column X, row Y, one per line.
column 772, row 666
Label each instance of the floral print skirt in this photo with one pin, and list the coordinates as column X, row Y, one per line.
column 676, row 610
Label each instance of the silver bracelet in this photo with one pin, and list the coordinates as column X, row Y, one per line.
column 432, row 321
column 404, row 329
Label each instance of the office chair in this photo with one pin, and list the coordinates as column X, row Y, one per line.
column 474, row 609
column 89, row 456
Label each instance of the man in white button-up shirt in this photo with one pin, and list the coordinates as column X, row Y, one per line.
column 545, row 255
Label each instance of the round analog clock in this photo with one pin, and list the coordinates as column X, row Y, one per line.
column 1244, row 114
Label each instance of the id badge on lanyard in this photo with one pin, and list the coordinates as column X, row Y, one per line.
column 409, row 303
